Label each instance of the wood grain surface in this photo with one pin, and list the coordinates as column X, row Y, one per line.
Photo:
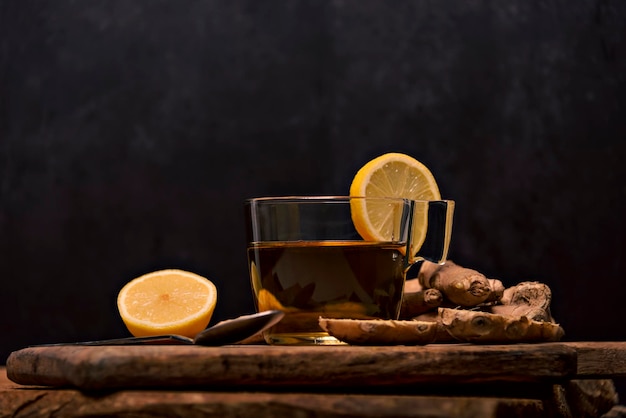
column 468, row 397
column 37, row 401
column 297, row 366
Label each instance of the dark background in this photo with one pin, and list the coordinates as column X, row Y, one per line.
column 132, row 131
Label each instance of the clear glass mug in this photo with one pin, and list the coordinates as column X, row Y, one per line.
column 306, row 258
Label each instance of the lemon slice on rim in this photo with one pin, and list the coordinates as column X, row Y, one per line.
column 393, row 175
column 167, row 302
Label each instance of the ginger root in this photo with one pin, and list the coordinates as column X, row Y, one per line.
column 484, row 312
column 442, row 335
column 459, row 285
column 443, row 326
column 378, row 331
column 484, row 327
column 530, row 299
column 417, row 300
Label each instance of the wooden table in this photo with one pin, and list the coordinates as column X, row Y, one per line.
column 437, row 380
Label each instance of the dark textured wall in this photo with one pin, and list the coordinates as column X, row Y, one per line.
column 132, row 131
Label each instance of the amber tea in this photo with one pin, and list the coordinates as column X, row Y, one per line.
column 333, row 279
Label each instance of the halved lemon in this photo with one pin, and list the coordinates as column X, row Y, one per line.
column 167, row 302
column 393, row 175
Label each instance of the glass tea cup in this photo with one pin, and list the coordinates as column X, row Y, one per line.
column 306, row 258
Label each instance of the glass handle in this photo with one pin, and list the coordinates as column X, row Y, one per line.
column 437, row 215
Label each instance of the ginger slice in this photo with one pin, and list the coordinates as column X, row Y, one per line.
column 484, row 327
column 379, row 331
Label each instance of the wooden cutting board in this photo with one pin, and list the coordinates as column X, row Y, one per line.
column 114, row 367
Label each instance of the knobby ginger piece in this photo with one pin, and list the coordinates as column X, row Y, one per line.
column 459, row 285
column 379, row 331
column 530, row 299
column 417, row 300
